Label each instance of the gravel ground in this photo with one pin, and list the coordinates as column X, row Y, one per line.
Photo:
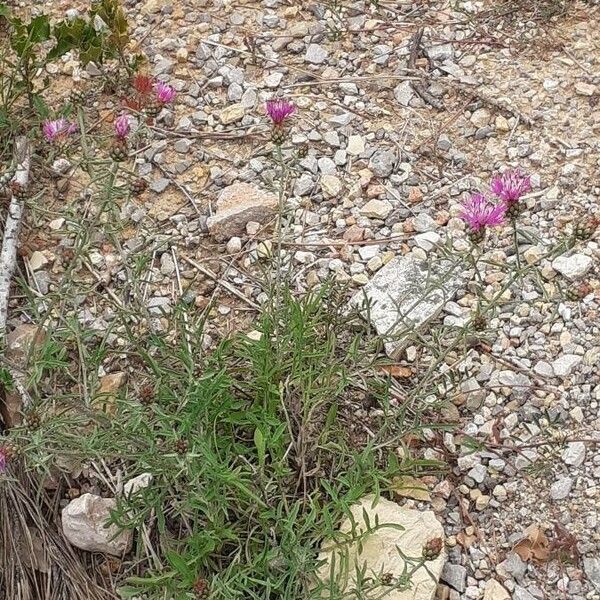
column 391, row 151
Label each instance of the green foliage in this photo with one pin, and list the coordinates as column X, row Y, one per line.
column 101, row 36
column 251, row 460
column 111, row 13
column 6, row 379
column 80, row 34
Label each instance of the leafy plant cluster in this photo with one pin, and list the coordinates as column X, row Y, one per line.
column 27, row 47
column 249, row 449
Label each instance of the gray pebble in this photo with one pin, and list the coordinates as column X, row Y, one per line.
column 382, row 163
column 561, row 488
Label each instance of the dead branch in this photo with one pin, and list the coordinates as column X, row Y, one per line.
column 419, row 86
column 8, row 254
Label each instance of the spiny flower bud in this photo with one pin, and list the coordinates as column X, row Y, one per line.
column 32, row 420
column 77, row 97
column 586, row 228
column 201, row 589
column 18, row 191
column 433, row 548
column 119, row 149
column 181, row 446
column 138, row 186
column 479, row 322
column 8, row 175
column 147, row 394
column 578, row 292
column 302, row 150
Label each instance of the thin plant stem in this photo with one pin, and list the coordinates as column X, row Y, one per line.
column 516, row 243
column 474, row 262
column 280, row 228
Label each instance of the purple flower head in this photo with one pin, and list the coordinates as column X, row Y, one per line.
column 279, row 109
column 164, row 93
column 122, row 126
column 58, row 129
column 511, row 185
column 478, row 213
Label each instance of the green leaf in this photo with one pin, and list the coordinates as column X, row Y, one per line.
column 331, row 415
column 4, row 11
column 179, row 564
column 6, row 379
column 61, row 47
column 91, row 54
column 68, row 35
column 127, row 592
column 259, row 442
column 40, row 106
column 39, row 29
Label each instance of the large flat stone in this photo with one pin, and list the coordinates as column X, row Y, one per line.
column 237, row 205
column 405, row 295
column 380, row 550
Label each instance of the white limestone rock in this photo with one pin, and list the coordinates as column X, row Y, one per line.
column 405, row 294
column 399, row 528
column 572, row 267
column 236, row 206
column 84, row 525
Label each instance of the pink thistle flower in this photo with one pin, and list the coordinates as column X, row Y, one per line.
column 279, row 109
column 478, row 213
column 58, row 129
column 164, row 93
column 511, row 185
column 122, row 126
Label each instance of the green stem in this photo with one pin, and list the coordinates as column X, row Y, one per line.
column 280, row 228
column 516, row 243
column 480, row 282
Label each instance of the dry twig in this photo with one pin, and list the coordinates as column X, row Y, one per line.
column 8, row 254
column 419, row 86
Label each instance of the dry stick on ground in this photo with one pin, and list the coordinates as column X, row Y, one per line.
column 499, row 104
column 8, row 254
column 419, row 86
column 179, row 186
column 221, row 282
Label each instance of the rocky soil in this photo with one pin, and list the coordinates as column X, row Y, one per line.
column 394, row 142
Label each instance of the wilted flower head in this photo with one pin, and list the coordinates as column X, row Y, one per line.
column 122, row 126
column 58, row 129
column 279, row 109
column 478, row 213
column 433, row 548
column 164, row 93
column 511, row 185
column 143, row 84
